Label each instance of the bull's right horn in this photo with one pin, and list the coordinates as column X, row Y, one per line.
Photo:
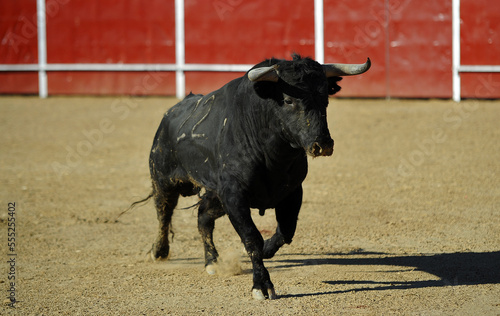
column 264, row 74
column 332, row 70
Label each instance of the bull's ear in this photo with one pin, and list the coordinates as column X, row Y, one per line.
column 333, row 86
column 264, row 74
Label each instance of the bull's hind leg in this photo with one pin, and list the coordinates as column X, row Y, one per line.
column 210, row 209
column 165, row 204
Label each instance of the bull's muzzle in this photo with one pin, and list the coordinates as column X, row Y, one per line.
column 322, row 148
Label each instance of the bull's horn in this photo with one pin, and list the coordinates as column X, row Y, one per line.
column 264, row 74
column 332, row 70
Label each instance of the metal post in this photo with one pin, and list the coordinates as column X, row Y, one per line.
column 319, row 30
column 180, row 78
column 456, row 50
column 42, row 49
column 387, row 13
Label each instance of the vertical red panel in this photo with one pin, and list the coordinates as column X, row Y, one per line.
column 420, row 52
column 409, row 43
column 480, row 32
column 105, row 31
column 480, row 45
column 18, row 31
column 244, row 32
column 247, row 32
column 18, row 45
column 355, row 30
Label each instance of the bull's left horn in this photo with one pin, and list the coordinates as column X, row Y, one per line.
column 264, row 74
column 332, row 70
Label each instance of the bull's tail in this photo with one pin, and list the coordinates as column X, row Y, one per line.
column 143, row 201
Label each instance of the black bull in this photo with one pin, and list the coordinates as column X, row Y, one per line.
column 246, row 144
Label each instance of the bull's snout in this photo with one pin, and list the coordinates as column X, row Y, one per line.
column 324, row 148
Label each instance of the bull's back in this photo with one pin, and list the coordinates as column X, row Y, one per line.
column 184, row 148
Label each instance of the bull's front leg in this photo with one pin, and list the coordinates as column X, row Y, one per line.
column 287, row 213
column 239, row 214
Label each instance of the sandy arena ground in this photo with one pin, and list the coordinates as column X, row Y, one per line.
column 403, row 219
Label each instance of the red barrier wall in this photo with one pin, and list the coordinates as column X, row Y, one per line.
column 408, row 41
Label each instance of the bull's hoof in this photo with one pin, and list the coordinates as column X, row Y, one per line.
column 260, row 296
column 210, row 268
column 154, row 258
column 159, row 253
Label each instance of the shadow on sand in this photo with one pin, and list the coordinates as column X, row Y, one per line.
column 469, row 268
